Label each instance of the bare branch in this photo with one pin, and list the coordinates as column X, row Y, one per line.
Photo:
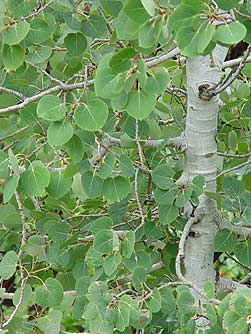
column 13, row 92
column 229, row 155
column 235, row 62
column 13, row 134
column 55, row 89
column 213, row 91
column 162, row 57
column 230, row 170
column 59, row 82
column 20, row 253
column 37, row 12
column 241, row 230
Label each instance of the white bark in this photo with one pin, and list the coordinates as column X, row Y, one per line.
column 200, row 159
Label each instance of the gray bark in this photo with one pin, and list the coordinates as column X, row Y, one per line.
column 201, row 159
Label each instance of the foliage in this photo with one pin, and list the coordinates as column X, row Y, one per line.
column 91, row 213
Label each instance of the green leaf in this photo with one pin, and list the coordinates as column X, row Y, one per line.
column 122, row 317
column 126, row 165
column 9, row 187
column 209, row 289
column 243, row 252
column 108, row 84
column 50, row 293
column 75, row 148
column 158, row 81
column 155, row 302
column 107, row 166
column 51, row 108
column 163, row 176
column 91, row 116
column 232, row 187
column 225, row 241
column 183, row 197
column 59, row 133
column 103, row 242
column 9, row 216
column 75, row 43
column 13, row 162
column 140, row 104
column 149, row 6
column 139, row 276
column 16, row 33
column 13, row 56
column 92, row 184
column 100, row 224
column 168, row 302
column 8, row 265
column 59, row 185
column 94, row 26
column 135, row 10
column 232, row 140
column 39, row 31
column 112, row 7
column 194, row 39
column 34, row 180
column 121, row 62
column 39, row 54
column 50, row 324
column 227, row 4
column 168, row 213
column 21, row 8
column 185, row 14
column 116, row 188
column 127, row 245
column 111, row 262
column 235, row 324
column 126, row 28
column 230, row 33
column 164, row 197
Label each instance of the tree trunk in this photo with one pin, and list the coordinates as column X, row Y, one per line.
column 201, row 159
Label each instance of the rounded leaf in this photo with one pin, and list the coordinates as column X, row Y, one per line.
column 34, row 180
column 50, row 293
column 13, row 56
column 230, row 33
column 116, row 188
column 51, row 108
column 140, row 104
column 59, row 133
column 75, row 43
column 91, row 116
column 163, row 176
column 16, row 33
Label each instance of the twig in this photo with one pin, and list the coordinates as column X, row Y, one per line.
column 242, row 14
column 234, row 62
column 180, row 257
column 229, row 155
column 162, row 57
column 17, row 132
column 127, row 279
column 55, row 89
column 138, row 200
column 213, row 91
column 20, row 253
column 40, row 10
column 230, row 170
column 141, row 159
column 13, row 92
column 59, row 82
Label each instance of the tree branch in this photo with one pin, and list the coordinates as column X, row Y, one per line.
column 20, row 253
